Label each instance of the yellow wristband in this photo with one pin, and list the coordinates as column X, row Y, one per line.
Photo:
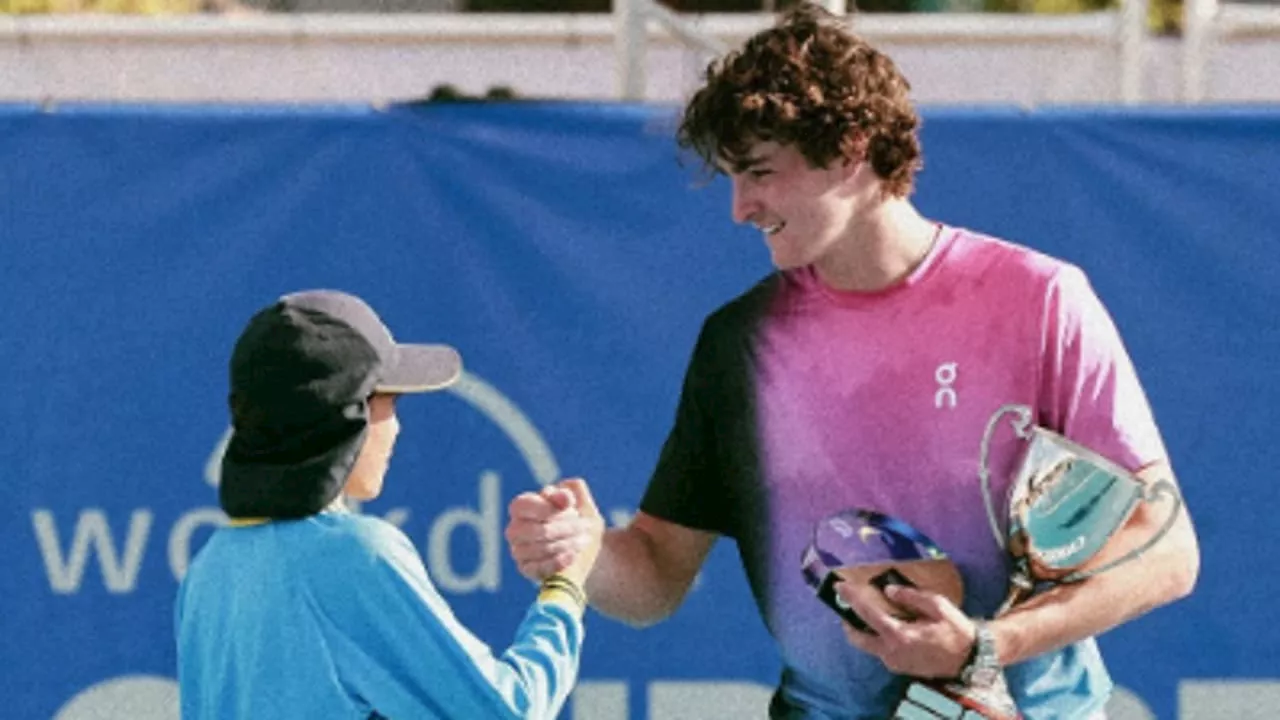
column 563, row 598
column 563, row 583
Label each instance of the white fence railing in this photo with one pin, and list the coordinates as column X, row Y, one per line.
column 1123, row 29
column 631, row 21
column 1207, row 24
column 634, row 53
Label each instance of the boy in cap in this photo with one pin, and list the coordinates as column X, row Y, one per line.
column 301, row 609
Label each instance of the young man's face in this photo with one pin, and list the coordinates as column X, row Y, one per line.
column 801, row 210
column 365, row 481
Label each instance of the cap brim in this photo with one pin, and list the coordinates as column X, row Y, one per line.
column 421, row 368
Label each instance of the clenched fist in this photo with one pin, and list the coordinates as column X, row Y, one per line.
column 555, row 530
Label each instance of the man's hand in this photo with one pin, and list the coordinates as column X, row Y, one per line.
column 555, row 530
column 935, row 643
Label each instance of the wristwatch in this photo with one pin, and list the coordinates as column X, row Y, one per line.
column 983, row 666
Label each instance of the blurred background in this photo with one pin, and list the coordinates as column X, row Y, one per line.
column 1025, row 52
column 501, row 174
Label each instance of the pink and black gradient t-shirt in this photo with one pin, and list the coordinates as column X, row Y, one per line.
column 801, row 401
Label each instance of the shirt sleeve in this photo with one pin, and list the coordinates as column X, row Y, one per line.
column 688, row 485
column 399, row 647
column 1089, row 388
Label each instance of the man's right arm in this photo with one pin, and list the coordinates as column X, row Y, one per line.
column 645, row 569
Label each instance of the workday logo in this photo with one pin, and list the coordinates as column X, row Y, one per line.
column 118, row 542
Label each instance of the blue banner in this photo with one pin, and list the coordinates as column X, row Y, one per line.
column 571, row 257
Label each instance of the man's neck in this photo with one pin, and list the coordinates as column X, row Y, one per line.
column 881, row 247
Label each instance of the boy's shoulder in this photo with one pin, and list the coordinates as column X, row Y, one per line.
column 353, row 530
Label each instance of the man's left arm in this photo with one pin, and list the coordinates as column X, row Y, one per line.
column 1165, row 572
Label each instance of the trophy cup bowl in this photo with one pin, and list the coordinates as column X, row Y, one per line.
column 1065, row 504
column 871, row 551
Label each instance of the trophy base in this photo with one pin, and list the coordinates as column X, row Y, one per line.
column 953, row 701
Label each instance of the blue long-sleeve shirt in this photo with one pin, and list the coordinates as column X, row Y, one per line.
column 334, row 616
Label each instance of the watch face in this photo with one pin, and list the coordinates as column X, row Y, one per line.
column 983, row 676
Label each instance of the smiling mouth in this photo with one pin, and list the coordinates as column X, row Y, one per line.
column 773, row 229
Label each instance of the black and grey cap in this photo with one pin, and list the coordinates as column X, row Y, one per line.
column 302, row 372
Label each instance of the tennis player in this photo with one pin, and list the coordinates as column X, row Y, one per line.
column 301, row 609
column 861, row 374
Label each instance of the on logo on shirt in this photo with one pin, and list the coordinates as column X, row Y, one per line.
column 946, row 376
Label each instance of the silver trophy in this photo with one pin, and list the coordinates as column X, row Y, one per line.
column 1065, row 504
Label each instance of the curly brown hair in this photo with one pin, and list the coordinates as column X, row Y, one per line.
column 810, row 83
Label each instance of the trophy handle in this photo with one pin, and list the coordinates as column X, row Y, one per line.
column 1021, row 586
column 1158, row 488
column 1021, row 426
